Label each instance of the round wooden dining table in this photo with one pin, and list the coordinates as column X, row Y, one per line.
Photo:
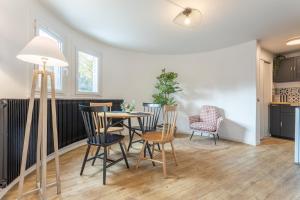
column 120, row 116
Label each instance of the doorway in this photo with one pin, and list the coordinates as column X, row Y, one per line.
column 265, row 82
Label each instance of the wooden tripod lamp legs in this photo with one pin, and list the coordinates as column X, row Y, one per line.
column 55, row 134
column 27, row 134
column 41, row 161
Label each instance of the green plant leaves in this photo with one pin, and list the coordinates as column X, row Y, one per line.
column 166, row 86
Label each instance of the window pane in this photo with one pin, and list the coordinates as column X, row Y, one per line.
column 58, row 71
column 87, row 80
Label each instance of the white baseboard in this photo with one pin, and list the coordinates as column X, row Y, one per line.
column 49, row 158
column 228, row 138
column 237, row 140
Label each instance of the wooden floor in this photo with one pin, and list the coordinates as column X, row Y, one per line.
column 228, row 171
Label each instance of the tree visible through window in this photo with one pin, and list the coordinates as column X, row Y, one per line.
column 87, row 73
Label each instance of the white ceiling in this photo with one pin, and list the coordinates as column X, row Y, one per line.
column 146, row 25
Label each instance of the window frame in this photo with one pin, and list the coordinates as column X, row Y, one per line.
column 99, row 75
column 57, row 36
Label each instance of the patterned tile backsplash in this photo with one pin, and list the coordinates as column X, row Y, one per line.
column 290, row 94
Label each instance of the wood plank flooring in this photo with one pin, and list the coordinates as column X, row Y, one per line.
column 228, row 171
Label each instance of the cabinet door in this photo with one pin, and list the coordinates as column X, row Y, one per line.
column 297, row 68
column 286, row 71
column 275, row 120
column 288, row 125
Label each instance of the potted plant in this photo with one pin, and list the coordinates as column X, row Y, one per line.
column 166, row 87
column 128, row 107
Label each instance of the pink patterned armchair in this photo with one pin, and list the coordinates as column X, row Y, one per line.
column 208, row 121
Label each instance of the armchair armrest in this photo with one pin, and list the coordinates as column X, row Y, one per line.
column 194, row 118
column 219, row 122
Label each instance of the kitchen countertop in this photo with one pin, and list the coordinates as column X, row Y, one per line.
column 296, row 104
column 285, row 103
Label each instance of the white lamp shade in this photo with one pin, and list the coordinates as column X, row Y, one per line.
column 42, row 50
column 189, row 17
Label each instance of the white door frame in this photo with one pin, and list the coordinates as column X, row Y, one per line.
column 265, row 82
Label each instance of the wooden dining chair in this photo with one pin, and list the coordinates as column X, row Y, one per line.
column 93, row 118
column 112, row 129
column 162, row 138
column 118, row 129
column 149, row 123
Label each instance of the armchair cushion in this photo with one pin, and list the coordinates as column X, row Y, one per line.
column 204, row 126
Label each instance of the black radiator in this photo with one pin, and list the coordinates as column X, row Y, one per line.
column 13, row 114
column 3, row 143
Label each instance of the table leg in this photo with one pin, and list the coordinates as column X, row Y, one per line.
column 130, row 135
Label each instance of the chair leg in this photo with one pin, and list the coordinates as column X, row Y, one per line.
column 215, row 139
column 141, row 155
column 153, row 149
column 85, row 158
column 164, row 160
column 108, row 150
column 218, row 136
column 125, row 146
column 120, row 132
column 96, row 154
column 104, row 165
column 124, row 155
column 131, row 134
column 173, row 153
column 192, row 135
column 158, row 146
column 149, row 151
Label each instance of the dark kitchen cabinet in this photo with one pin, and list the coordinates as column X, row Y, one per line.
column 285, row 72
column 288, row 125
column 297, row 68
column 275, row 120
column 282, row 121
column 288, row 71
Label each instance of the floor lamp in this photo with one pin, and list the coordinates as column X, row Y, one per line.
column 41, row 51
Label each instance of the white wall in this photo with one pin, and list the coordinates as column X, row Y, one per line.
column 13, row 34
column 225, row 78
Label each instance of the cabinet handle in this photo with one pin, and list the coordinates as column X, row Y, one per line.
column 280, row 124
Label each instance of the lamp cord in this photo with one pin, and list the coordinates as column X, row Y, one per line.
column 176, row 4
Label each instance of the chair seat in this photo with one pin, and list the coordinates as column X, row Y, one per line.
column 110, row 139
column 203, row 126
column 155, row 137
column 112, row 129
column 146, row 128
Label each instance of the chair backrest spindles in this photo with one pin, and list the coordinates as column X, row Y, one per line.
column 94, row 118
column 100, row 123
column 150, row 122
column 169, row 116
column 107, row 104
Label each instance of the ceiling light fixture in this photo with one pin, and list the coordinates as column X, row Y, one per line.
column 189, row 17
column 293, row 41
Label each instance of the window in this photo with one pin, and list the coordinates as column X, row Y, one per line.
column 58, row 71
column 87, row 73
